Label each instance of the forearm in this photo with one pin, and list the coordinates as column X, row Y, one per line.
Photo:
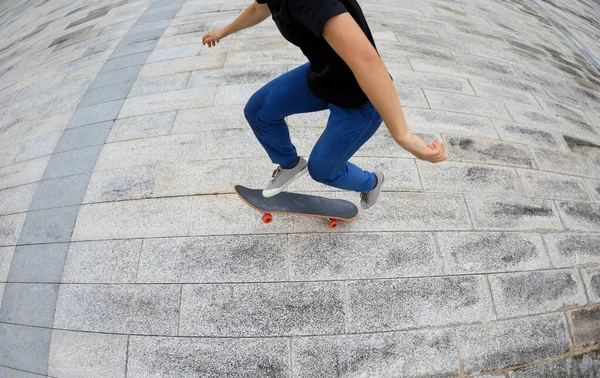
column 249, row 17
column 375, row 81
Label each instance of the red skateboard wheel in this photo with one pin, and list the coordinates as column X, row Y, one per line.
column 267, row 218
column 333, row 223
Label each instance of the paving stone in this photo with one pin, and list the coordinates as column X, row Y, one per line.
column 170, row 14
column 488, row 151
column 594, row 189
column 133, row 219
column 354, row 256
column 406, row 354
column 386, row 305
column 581, row 366
column 129, row 309
column 10, row 227
column 114, row 77
column 29, row 304
column 12, row 373
column 281, row 56
column 236, row 75
column 82, row 354
column 585, row 326
column 175, row 52
column 147, row 26
column 514, row 97
column 96, row 113
column 563, row 162
column 133, row 48
column 38, row 263
column 235, row 94
column 413, row 97
column 580, row 216
column 213, row 259
column 28, row 349
column 121, row 184
column 167, row 101
column 84, row 136
column 157, row 84
column 445, row 67
column 48, row 226
column 106, row 93
column 147, row 35
column 465, row 104
column 591, row 277
column 17, row 199
column 515, row 132
column 539, row 119
column 142, row 126
column 500, row 213
column 207, row 119
column 468, row 178
column 501, row 344
column 64, row 191
column 184, row 357
column 125, row 61
column 551, row 185
column 73, row 162
column 8, row 155
column 111, row 261
column 517, row 294
column 275, row 309
column 416, row 79
column 6, row 254
column 483, row 252
column 566, row 250
column 37, row 147
column 188, row 64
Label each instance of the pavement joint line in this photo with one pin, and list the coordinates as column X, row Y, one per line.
column 489, row 287
column 583, row 283
column 24, row 371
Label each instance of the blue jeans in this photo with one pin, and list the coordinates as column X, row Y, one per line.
column 347, row 130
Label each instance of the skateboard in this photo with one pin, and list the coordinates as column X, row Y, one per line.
column 333, row 210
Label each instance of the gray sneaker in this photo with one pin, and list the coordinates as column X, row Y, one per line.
column 368, row 199
column 282, row 178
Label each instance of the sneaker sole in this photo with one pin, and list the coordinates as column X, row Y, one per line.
column 274, row 192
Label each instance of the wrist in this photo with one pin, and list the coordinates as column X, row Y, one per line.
column 403, row 139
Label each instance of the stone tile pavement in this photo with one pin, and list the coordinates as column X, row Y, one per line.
column 125, row 253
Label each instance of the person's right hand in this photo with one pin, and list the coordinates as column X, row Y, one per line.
column 213, row 37
column 434, row 153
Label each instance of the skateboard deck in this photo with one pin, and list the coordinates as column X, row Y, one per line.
column 298, row 204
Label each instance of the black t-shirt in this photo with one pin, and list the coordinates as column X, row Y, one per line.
column 301, row 23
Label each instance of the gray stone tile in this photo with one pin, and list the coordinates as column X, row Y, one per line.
column 412, row 97
column 129, row 309
column 580, row 216
column 193, row 63
column 567, row 250
column 17, row 199
column 147, row 35
column 364, row 255
column 581, row 366
column 468, row 178
column 214, row 259
column 12, row 373
column 125, row 61
column 157, row 84
column 238, row 94
column 6, row 255
column 29, row 304
column 594, row 188
column 96, row 113
column 516, row 98
column 38, row 263
column 10, row 227
column 445, row 67
column 518, row 294
column 84, row 136
column 236, row 75
column 2, row 287
column 82, row 354
column 538, row 119
column 169, row 14
column 117, row 76
column 270, row 309
column 501, row 213
column 73, row 162
column 279, row 56
column 49, row 226
column 64, row 191
column 410, row 354
column 483, row 252
column 28, row 349
column 585, row 326
column 37, row 147
column 183, row 357
column 121, row 184
column 134, row 48
column 142, row 126
column 134, row 219
column 563, row 162
column 167, row 101
column 591, row 277
column 488, row 151
column 8, row 155
column 111, row 261
column 211, row 118
column 175, row 52
column 386, row 305
column 552, row 185
column 23, row 173
column 507, row 343
column 416, row 79
column 106, row 93
column 148, row 26
column 518, row 133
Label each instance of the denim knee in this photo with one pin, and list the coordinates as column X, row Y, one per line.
column 320, row 173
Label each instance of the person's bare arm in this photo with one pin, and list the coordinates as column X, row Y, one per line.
column 253, row 15
column 349, row 41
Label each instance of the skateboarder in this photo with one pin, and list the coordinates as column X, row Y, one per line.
column 345, row 75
